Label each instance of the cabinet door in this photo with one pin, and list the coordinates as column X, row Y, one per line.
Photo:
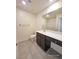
column 47, row 43
column 40, row 39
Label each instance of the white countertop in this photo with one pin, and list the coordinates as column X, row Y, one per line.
column 53, row 34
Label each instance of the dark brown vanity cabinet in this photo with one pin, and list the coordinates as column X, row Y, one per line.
column 45, row 41
column 42, row 41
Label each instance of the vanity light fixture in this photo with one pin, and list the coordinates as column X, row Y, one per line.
column 26, row 2
column 50, row 0
column 23, row 2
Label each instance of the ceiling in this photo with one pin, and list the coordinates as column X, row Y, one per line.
column 35, row 6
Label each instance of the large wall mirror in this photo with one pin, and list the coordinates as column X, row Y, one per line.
column 54, row 20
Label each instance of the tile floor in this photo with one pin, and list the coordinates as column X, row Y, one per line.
column 30, row 50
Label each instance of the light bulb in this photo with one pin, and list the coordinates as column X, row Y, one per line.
column 50, row 0
column 23, row 2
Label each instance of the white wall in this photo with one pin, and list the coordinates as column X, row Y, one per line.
column 25, row 25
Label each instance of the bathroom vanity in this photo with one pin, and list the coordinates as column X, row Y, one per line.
column 44, row 38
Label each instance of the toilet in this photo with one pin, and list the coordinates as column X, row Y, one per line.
column 33, row 37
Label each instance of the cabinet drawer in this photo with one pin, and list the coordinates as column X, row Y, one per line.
column 54, row 41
